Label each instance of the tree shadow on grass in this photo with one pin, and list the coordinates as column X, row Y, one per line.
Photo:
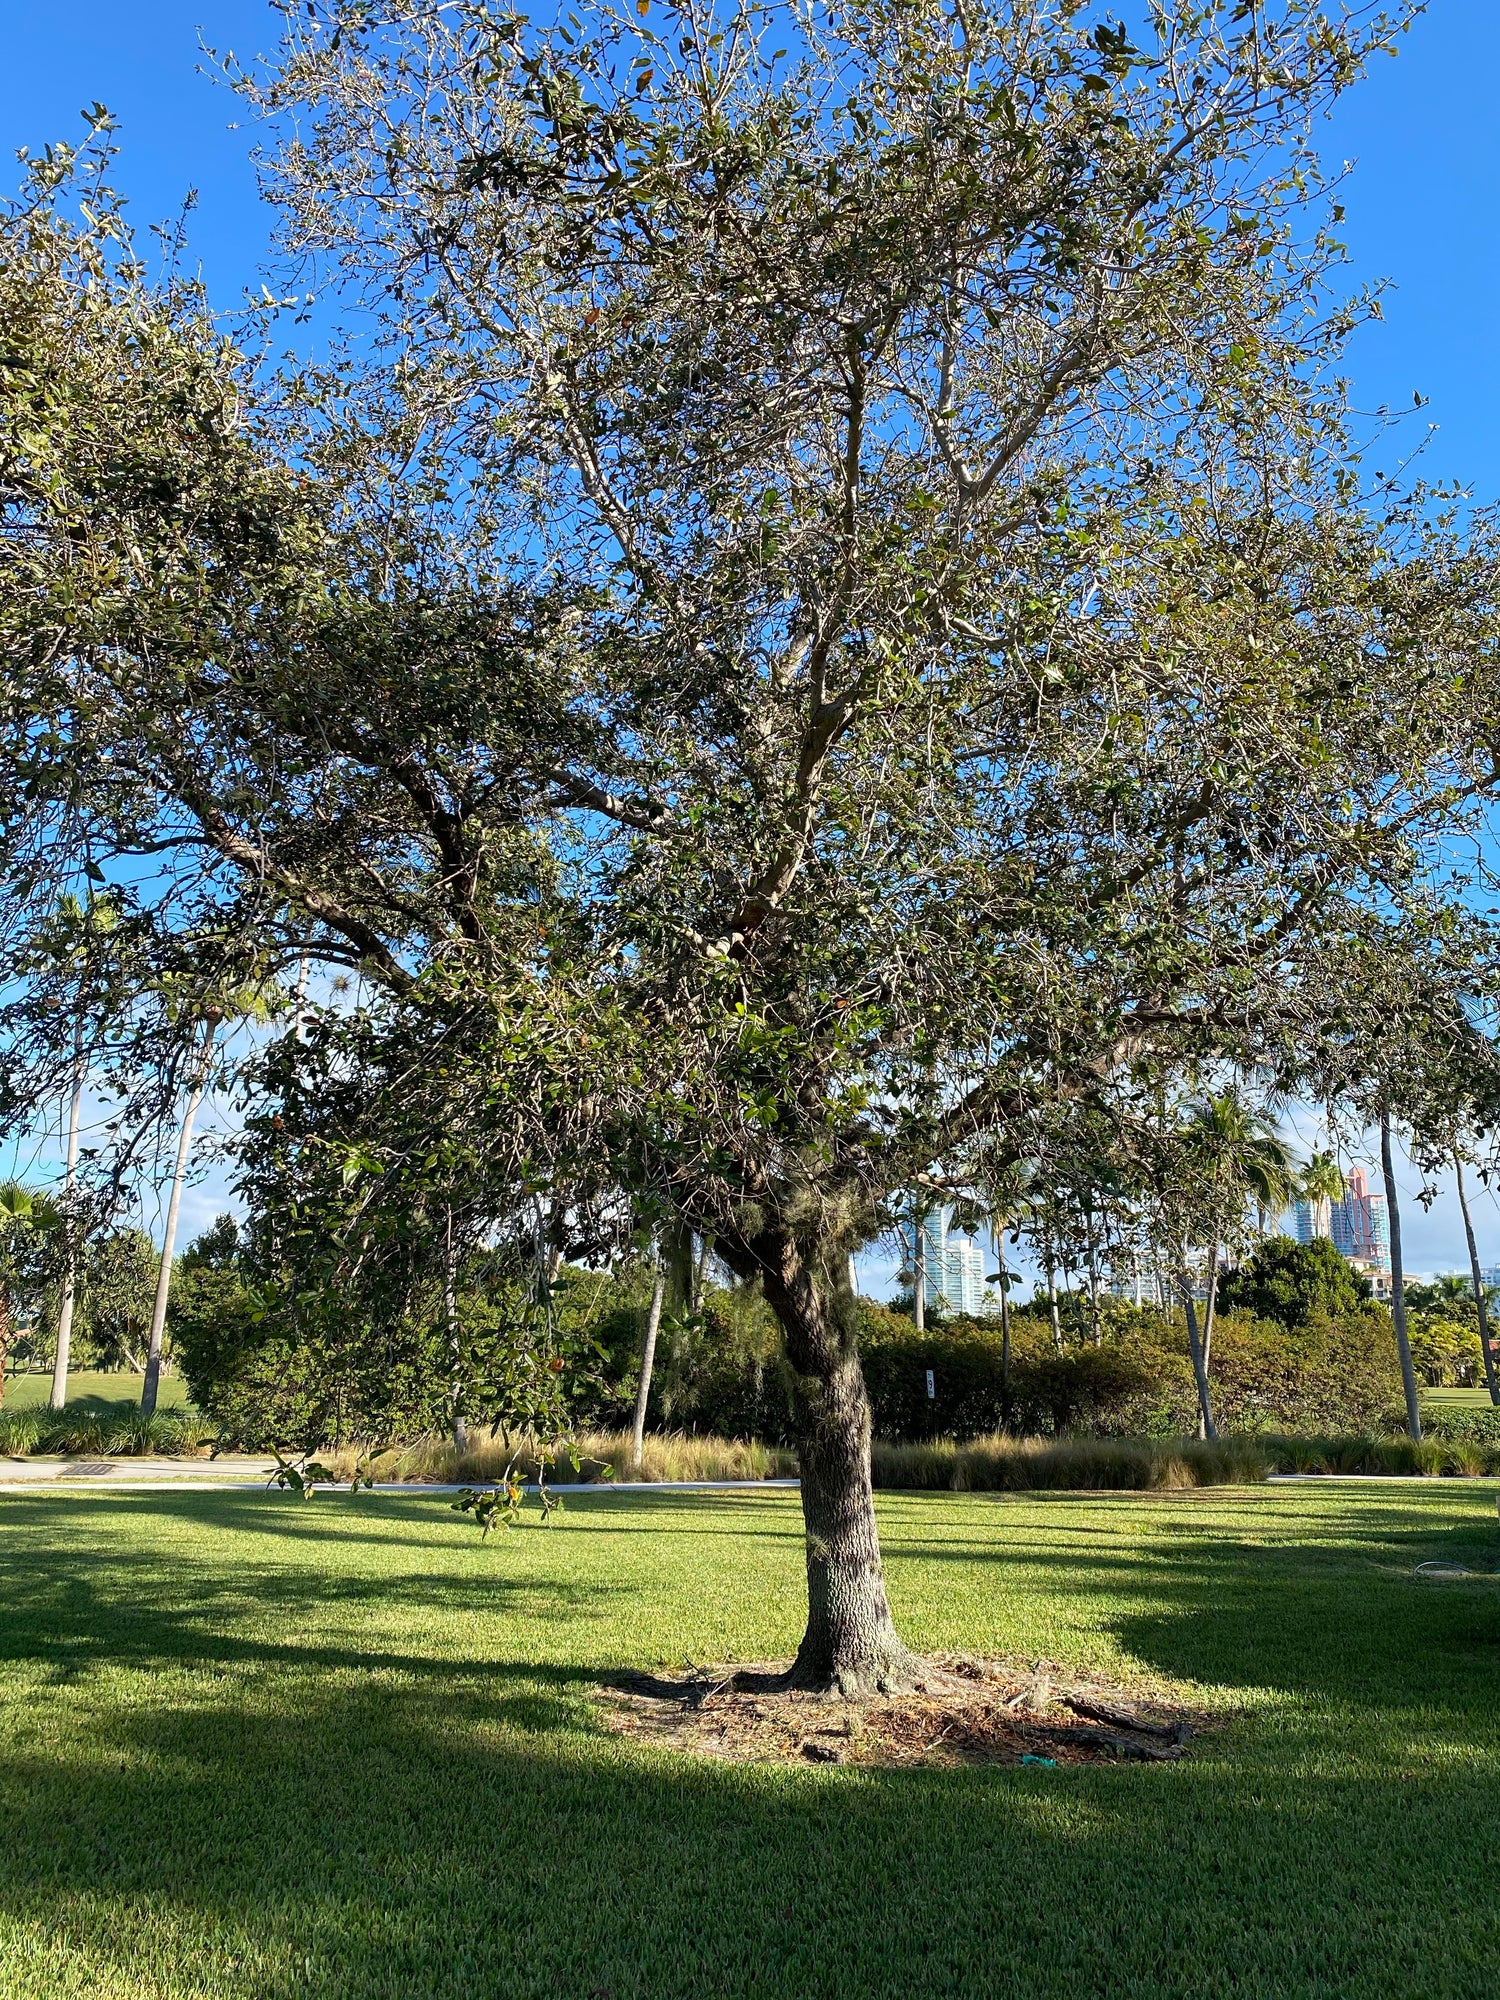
column 437, row 1842
column 199, row 1809
column 1315, row 1614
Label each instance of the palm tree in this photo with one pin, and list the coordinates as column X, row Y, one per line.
column 1245, row 1158
column 1322, row 1179
column 24, row 1213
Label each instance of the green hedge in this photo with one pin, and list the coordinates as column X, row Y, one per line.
column 1330, row 1376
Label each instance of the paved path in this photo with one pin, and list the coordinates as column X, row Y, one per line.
column 163, row 1475
column 233, row 1472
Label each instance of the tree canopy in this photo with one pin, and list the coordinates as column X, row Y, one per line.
column 822, row 627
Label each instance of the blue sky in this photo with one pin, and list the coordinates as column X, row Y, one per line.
column 1421, row 204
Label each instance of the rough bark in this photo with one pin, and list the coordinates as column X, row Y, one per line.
column 1480, row 1302
column 1398, row 1284
column 851, row 1645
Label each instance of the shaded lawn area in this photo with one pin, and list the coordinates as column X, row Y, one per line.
column 344, row 1750
column 113, row 1389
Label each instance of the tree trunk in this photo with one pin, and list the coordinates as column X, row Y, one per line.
column 1480, row 1302
column 59, row 1396
column 1398, row 1283
column 648, row 1362
column 1210, row 1306
column 1052, row 1304
column 169, row 1234
column 1206, row 1426
column 919, row 1273
column 1004, row 1332
column 455, row 1344
column 850, row 1645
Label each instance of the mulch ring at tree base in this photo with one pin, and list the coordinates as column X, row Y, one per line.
column 962, row 1711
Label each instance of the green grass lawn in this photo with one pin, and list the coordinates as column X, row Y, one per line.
column 343, row 1750
column 87, row 1385
column 1456, row 1399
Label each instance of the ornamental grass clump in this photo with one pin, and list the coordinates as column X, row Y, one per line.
column 1432, row 1458
column 85, row 1430
column 1001, row 1464
column 595, row 1456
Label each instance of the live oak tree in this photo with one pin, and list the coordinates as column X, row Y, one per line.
column 820, row 620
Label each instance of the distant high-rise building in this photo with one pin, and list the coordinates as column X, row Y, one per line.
column 1361, row 1227
column 1357, row 1225
column 953, row 1270
column 1311, row 1219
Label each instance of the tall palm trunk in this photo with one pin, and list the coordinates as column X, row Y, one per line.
column 1210, row 1304
column 919, row 1274
column 1480, row 1302
column 455, row 1343
column 1004, row 1331
column 648, row 1362
column 152, row 1382
column 1398, row 1283
column 58, row 1399
column 1206, row 1426
column 1052, row 1303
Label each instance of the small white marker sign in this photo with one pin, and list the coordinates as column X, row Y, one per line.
column 931, row 1387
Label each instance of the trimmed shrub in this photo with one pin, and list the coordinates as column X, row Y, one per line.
column 1024, row 1465
column 1293, row 1284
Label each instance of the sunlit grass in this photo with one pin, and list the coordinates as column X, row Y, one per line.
column 30, row 1390
column 258, row 1747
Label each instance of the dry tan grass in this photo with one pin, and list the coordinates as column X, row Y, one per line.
column 599, row 1455
column 1001, row 1464
column 996, row 1464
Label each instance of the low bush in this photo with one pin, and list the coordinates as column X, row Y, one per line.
column 1330, row 1375
column 1453, row 1425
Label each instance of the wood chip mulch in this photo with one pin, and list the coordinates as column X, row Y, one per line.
column 962, row 1711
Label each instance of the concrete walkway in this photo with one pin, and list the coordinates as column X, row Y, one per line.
column 231, row 1472
column 234, row 1472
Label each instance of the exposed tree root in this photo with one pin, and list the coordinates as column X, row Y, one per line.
column 950, row 1711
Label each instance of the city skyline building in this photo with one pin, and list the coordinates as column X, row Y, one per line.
column 1358, row 1226
column 953, row 1270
